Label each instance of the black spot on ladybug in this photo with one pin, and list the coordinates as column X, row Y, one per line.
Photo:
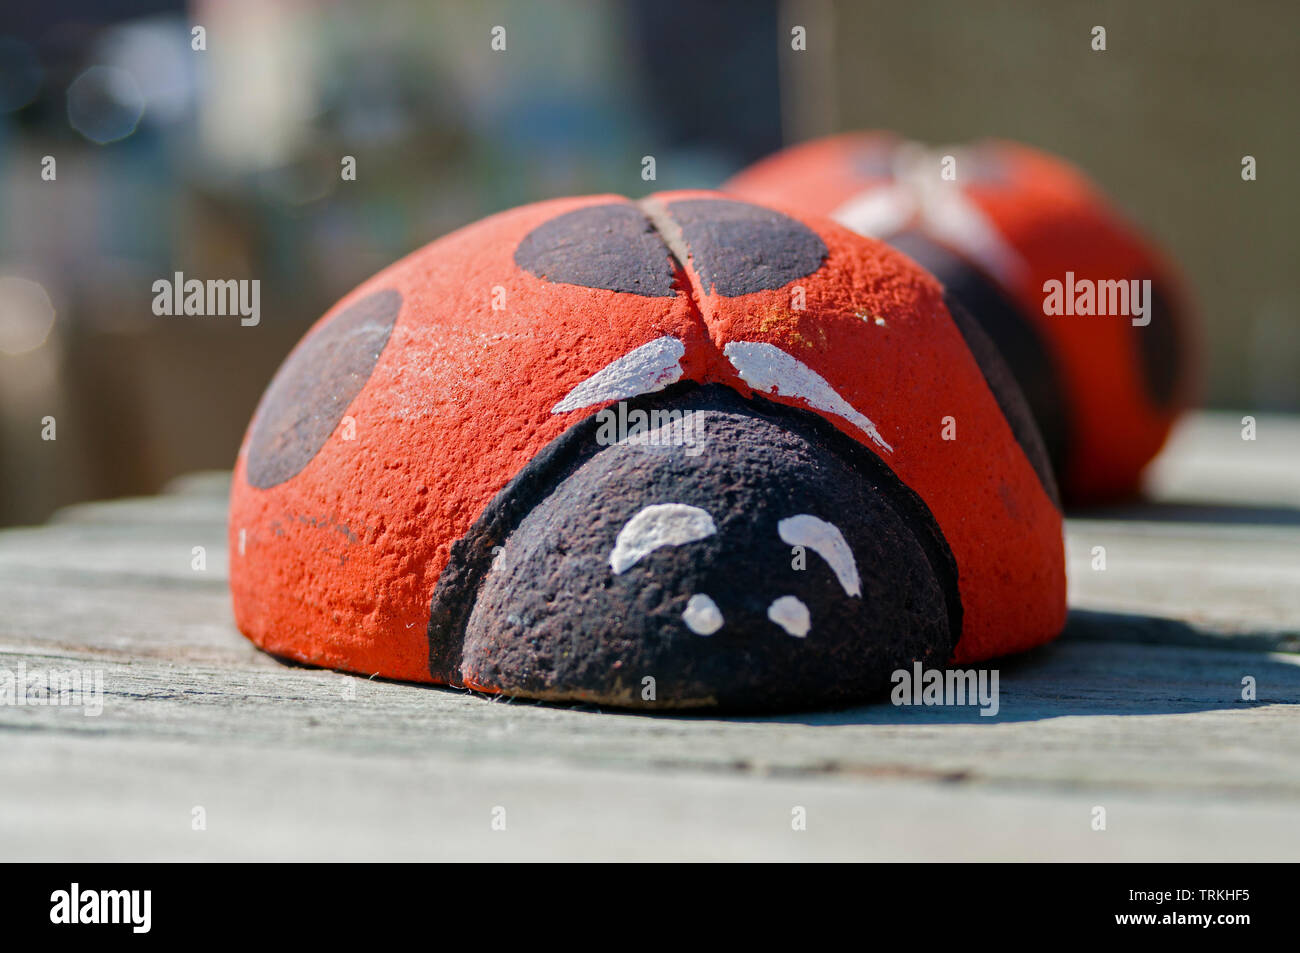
column 1012, row 355
column 613, row 247
column 546, row 596
column 737, row 248
column 313, row 388
column 1160, row 349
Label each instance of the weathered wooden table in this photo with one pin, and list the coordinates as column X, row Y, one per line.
column 208, row 749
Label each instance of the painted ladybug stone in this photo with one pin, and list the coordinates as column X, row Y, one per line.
column 683, row 452
column 1105, row 388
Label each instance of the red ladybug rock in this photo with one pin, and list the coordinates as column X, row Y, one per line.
column 1014, row 226
column 683, row 452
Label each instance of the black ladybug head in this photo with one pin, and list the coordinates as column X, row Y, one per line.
column 739, row 552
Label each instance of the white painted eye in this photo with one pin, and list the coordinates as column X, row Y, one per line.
column 643, row 370
column 826, row 540
column 767, row 368
column 790, row 614
column 661, row 524
column 702, row 615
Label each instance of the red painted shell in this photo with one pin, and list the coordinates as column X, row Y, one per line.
column 360, row 472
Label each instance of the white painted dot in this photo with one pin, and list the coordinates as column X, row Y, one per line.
column 660, row 524
column 827, row 541
column 702, row 615
column 790, row 614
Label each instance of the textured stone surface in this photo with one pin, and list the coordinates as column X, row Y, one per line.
column 613, row 247
column 520, row 328
column 312, row 390
column 737, row 248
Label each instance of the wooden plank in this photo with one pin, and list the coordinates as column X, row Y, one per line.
column 67, row 555
column 82, row 800
column 1229, row 578
column 115, row 618
column 1075, row 714
column 1207, row 461
column 211, row 483
column 303, row 763
column 187, row 510
column 1138, row 708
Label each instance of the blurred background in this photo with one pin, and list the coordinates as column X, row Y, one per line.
column 224, row 162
